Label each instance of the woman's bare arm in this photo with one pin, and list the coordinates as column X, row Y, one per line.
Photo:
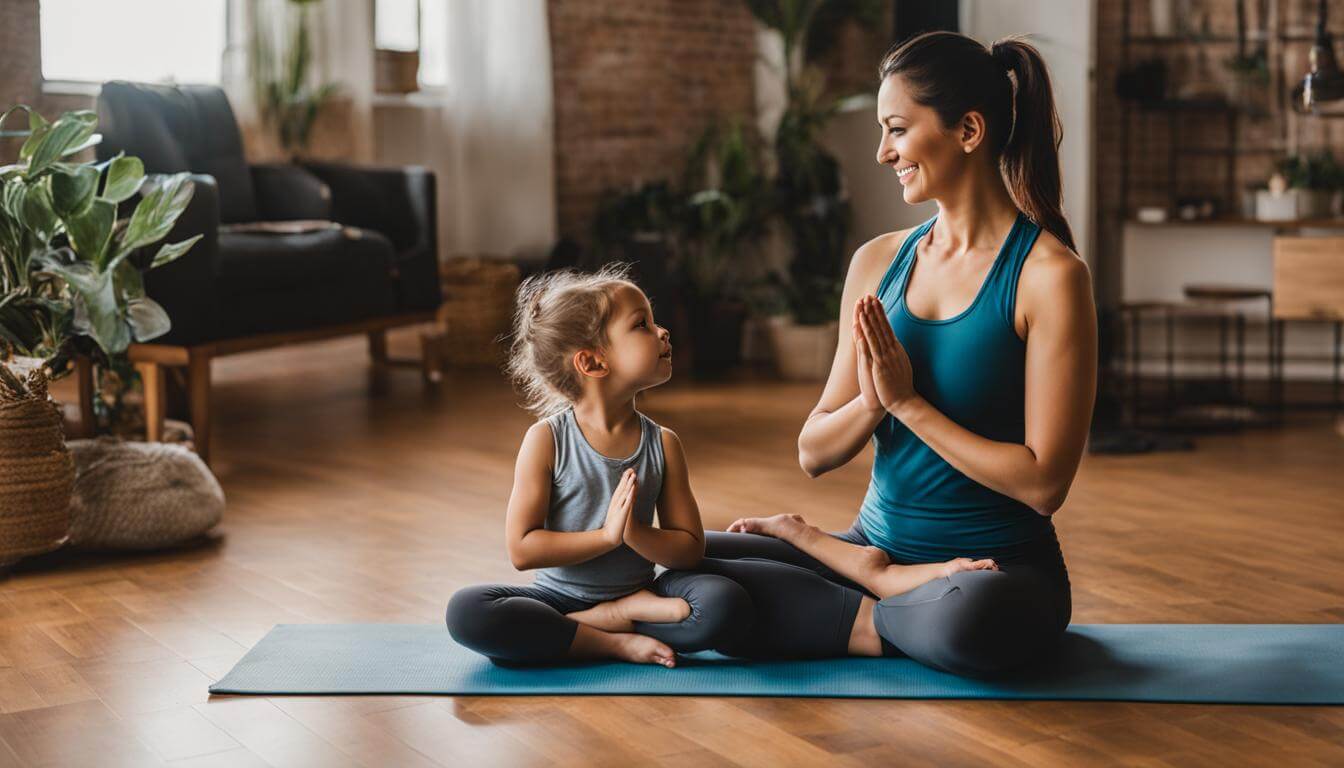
column 1061, row 370
column 842, row 422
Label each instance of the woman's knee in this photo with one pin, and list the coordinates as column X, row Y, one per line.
column 995, row 625
column 974, row 623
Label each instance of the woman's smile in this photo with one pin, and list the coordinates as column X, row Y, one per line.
column 905, row 173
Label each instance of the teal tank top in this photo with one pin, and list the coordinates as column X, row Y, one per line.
column 972, row 368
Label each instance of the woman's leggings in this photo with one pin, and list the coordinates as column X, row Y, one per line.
column 515, row 624
column 972, row 623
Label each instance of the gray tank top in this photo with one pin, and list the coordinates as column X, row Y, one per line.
column 581, row 488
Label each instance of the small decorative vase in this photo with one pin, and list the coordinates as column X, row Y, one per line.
column 36, row 472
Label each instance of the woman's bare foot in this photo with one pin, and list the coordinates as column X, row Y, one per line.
column 591, row 643
column 620, row 615
column 779, row 526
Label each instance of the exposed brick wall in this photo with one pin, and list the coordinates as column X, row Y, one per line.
column 634, row 84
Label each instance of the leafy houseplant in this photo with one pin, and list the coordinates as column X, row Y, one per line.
column 1315, row 178
column 728, row 207
column 279, row 67
column 70, row 282
column 810, row 198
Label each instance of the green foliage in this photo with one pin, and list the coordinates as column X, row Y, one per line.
column 281, row 54
column 1317, row 170
column 809, row 193
column 65, row 270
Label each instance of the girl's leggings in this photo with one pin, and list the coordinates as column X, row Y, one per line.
column 515, row 624
column 973, row 623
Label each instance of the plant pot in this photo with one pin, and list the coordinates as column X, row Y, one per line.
column 36, row 472
column 804, row 352
column 716, row 336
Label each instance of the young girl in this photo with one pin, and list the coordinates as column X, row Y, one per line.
column 588, row 477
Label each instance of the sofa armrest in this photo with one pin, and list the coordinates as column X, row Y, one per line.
column 286, row 192
column 185, row 287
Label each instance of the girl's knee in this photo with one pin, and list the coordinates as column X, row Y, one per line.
column 467, row 615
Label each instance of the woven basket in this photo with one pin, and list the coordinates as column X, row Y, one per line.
column 477, row 309
column 36, row 472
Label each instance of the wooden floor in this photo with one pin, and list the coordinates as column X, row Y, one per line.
column 344, row 507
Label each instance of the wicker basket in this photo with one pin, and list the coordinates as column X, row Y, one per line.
column 477, row 309
column 36, row 472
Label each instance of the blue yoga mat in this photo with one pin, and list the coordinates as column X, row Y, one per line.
column 1219, row 663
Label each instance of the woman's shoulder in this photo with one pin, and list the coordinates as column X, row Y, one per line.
column 1053, row 276
column 1051, row 266
column 872, row 259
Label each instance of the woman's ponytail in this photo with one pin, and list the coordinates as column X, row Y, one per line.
column 1030, row 159
column 1007, row 83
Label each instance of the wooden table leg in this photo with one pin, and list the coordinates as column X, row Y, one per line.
column 84, row 376
column 151, row 376
column 431, row 355
column 198, row 387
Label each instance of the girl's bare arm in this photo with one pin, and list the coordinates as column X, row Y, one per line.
column 679, row 541
column 529, row 544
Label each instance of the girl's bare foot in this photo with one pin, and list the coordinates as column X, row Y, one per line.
column 591, row 643
column 779, row 526
column 891, row 580
column 642, row 649
column 967, row 564
column 620, row 615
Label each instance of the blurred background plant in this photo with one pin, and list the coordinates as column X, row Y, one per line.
column 281, row 54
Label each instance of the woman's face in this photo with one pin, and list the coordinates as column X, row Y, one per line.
column 923, row 154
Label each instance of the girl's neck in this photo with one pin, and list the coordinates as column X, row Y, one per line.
column 612, row 414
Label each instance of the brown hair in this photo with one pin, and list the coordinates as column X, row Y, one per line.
column 556, row 314
column 1009, row 84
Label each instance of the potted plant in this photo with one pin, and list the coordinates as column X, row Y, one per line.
column 728, row 205
column 70, row 283
column 281, row 53
column 1304, row 187
column 809, row 194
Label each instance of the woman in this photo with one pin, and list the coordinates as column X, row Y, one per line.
column 967, row 353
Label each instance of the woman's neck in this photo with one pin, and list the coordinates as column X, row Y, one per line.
column 974, row 214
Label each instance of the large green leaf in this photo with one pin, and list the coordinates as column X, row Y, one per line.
column 90, row 232
column 148, row 320
column 96, row 311
column 37, row 212
column 170, row 252
column 37, row 128
column 157, row 211
column 72, row 190
column 124, row 176
column 69, row 133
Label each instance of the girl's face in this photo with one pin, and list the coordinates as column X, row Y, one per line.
column 923, row 154
column 640, row 350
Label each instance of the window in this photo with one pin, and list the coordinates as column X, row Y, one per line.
column 142, row 40
column 416, row 25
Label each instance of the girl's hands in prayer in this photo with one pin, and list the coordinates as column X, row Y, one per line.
column 889, row 365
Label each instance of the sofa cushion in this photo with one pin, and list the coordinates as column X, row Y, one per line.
column 270, row 282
